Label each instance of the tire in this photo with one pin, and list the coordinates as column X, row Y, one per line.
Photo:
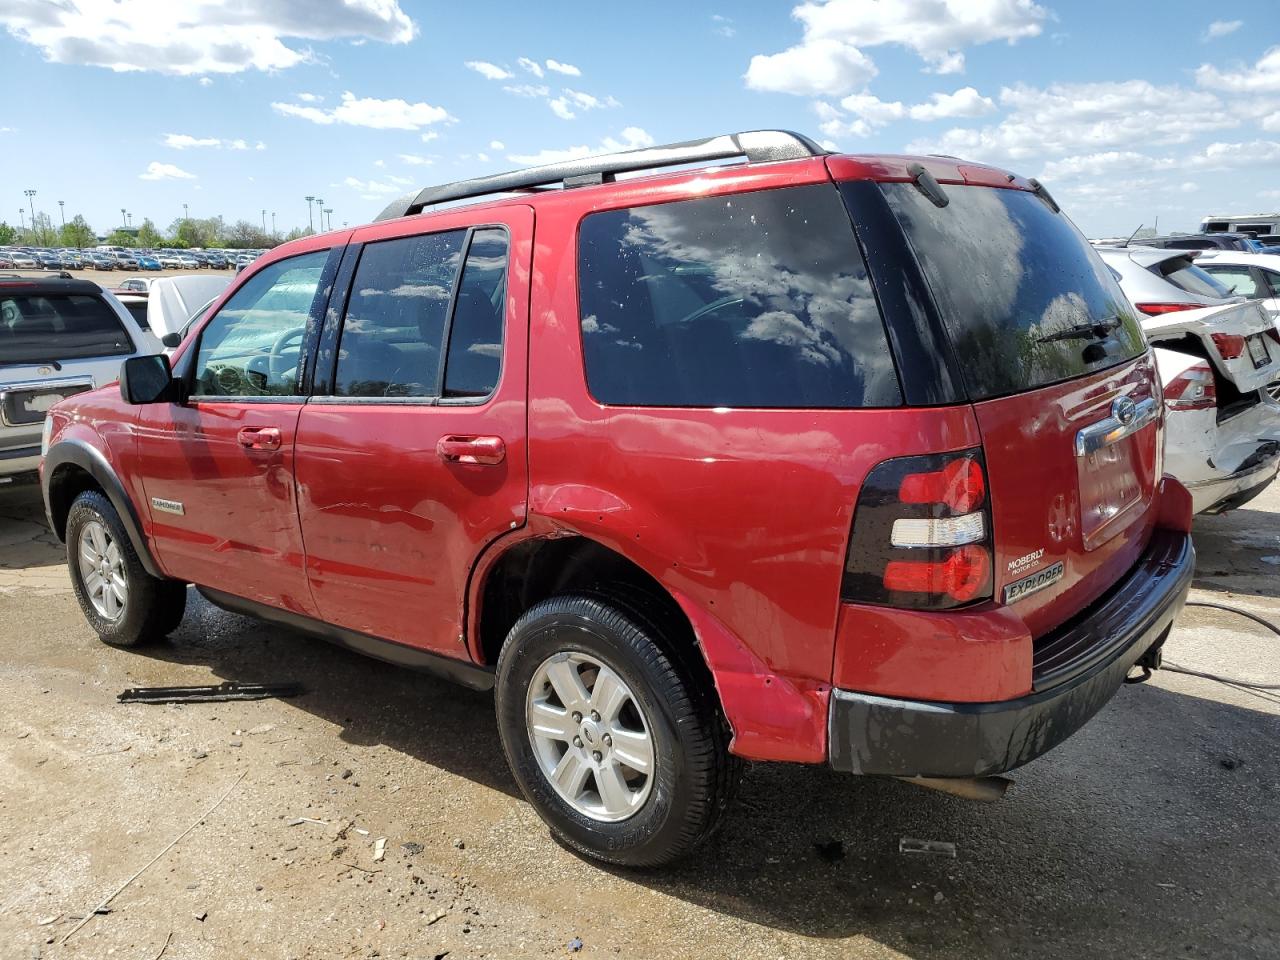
column 151, row 607
column 673, row 808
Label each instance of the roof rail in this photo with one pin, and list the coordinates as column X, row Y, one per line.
column 757, row 146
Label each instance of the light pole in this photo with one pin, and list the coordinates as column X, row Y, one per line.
column 22, row 213
column 62, row 210
column 123, row 221
column 273, row 223
column 185, row 215
column 31, row 194
column 320, row 210
column 329, row 211
column 264, row 219
column 128, row 219
column 310, row 224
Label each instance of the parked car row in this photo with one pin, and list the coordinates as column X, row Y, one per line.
column 120, row 258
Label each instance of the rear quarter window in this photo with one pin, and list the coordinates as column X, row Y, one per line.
column 1005, row 272
column 42, row 327
column 747, row 300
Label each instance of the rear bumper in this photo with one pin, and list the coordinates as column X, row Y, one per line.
column 1227, row 493
column 872, row 734
column 18, row 460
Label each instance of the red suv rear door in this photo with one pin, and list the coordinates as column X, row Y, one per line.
column 411, row 455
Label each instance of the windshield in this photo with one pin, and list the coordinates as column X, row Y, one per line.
column 42, row 327
column 1008, row 274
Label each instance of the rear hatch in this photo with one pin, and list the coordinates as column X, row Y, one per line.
column 1050, row 353
column 1239, row 339
column 52, row 345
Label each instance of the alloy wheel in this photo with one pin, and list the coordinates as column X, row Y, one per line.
column 102, row 571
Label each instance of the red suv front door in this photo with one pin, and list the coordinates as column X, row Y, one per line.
column 218, row 469
column 410, row 457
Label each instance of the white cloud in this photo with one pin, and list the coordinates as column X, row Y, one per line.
column 531, row 65
column 369, row 187
column 568, row 69
column 560, row 107
column 1262, row 77
column 497, row 145
column 182, row 141
column 632, row 138
column 1081, row 118
column 965, row 102
column 811, row 68
column 414, row 160
column 528, row 90
column 829, row 59
column 164, row 171
column 490, row 71
column 198, row 36
column 1220, row 28
column 394, row 114
column 723, row 25
column 429, row 135
column 206, row 81
column 310, row 98
column 402, row 181
column 564, row 105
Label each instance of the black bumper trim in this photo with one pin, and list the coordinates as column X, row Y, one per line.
column 871, row 734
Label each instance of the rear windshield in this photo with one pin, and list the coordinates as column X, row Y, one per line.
column 35, row 328
column 748, row 300
column 1006, row 272
column 1185, row 275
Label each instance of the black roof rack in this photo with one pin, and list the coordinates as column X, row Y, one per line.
column 757, row 146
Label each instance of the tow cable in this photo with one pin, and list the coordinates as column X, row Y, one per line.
column 1147, row 666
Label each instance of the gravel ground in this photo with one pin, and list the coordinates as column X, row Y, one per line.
column 1152, row 833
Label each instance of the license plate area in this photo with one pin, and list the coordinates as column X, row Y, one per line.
column 1258, row 351
column 24, row 407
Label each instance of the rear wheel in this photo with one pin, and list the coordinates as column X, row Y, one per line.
column 611, row 740
column 123, row 603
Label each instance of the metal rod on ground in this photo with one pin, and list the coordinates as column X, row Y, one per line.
column 172, row 843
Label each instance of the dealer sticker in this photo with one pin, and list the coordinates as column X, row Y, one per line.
column 1033, row 583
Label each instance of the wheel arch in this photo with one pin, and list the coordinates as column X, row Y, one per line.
column 71, row 467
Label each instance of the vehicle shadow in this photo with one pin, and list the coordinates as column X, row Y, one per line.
column 25, row 538
column 1124, row 839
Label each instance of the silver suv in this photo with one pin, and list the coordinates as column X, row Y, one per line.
column 58, row 337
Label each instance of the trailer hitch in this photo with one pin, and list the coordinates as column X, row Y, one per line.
column 1148, row 663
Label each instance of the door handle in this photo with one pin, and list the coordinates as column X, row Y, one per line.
column 259, row 438
column 486, row 450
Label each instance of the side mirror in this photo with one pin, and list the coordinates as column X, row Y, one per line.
column 172, row 340
column 146, row 379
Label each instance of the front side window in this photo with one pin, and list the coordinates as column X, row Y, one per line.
column 748, row 300
column 40, row 328
column 253, row 346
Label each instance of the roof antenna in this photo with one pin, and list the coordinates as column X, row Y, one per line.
column 1132, row 235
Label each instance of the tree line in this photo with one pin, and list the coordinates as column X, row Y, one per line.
column 182, row 233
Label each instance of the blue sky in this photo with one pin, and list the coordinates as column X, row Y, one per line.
column 1127, row 111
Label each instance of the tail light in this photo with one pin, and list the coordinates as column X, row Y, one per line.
column 1155, row 309
column 1193, row 389
column 921, row 534
column 1230, row 345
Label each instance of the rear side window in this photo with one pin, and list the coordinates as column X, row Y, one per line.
column 396, row 316
column 38, row 328
column 750, row 300
column 1006, row 272
column 399, row 317
column 1185, row 275
column 1237, row 281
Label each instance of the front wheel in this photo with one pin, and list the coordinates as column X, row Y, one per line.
column 123, row 603
column 612, row 741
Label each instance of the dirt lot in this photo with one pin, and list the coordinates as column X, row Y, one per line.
column 1152, row 833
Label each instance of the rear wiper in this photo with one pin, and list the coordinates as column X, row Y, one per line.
column 1094, row 330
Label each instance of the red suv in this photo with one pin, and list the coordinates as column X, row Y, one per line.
column 813, row 458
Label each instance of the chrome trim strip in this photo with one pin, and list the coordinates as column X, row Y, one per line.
column 1113, row 429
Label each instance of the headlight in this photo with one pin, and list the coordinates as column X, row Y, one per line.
column 45, row 436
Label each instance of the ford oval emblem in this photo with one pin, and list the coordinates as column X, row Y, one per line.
column 1124, row 410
